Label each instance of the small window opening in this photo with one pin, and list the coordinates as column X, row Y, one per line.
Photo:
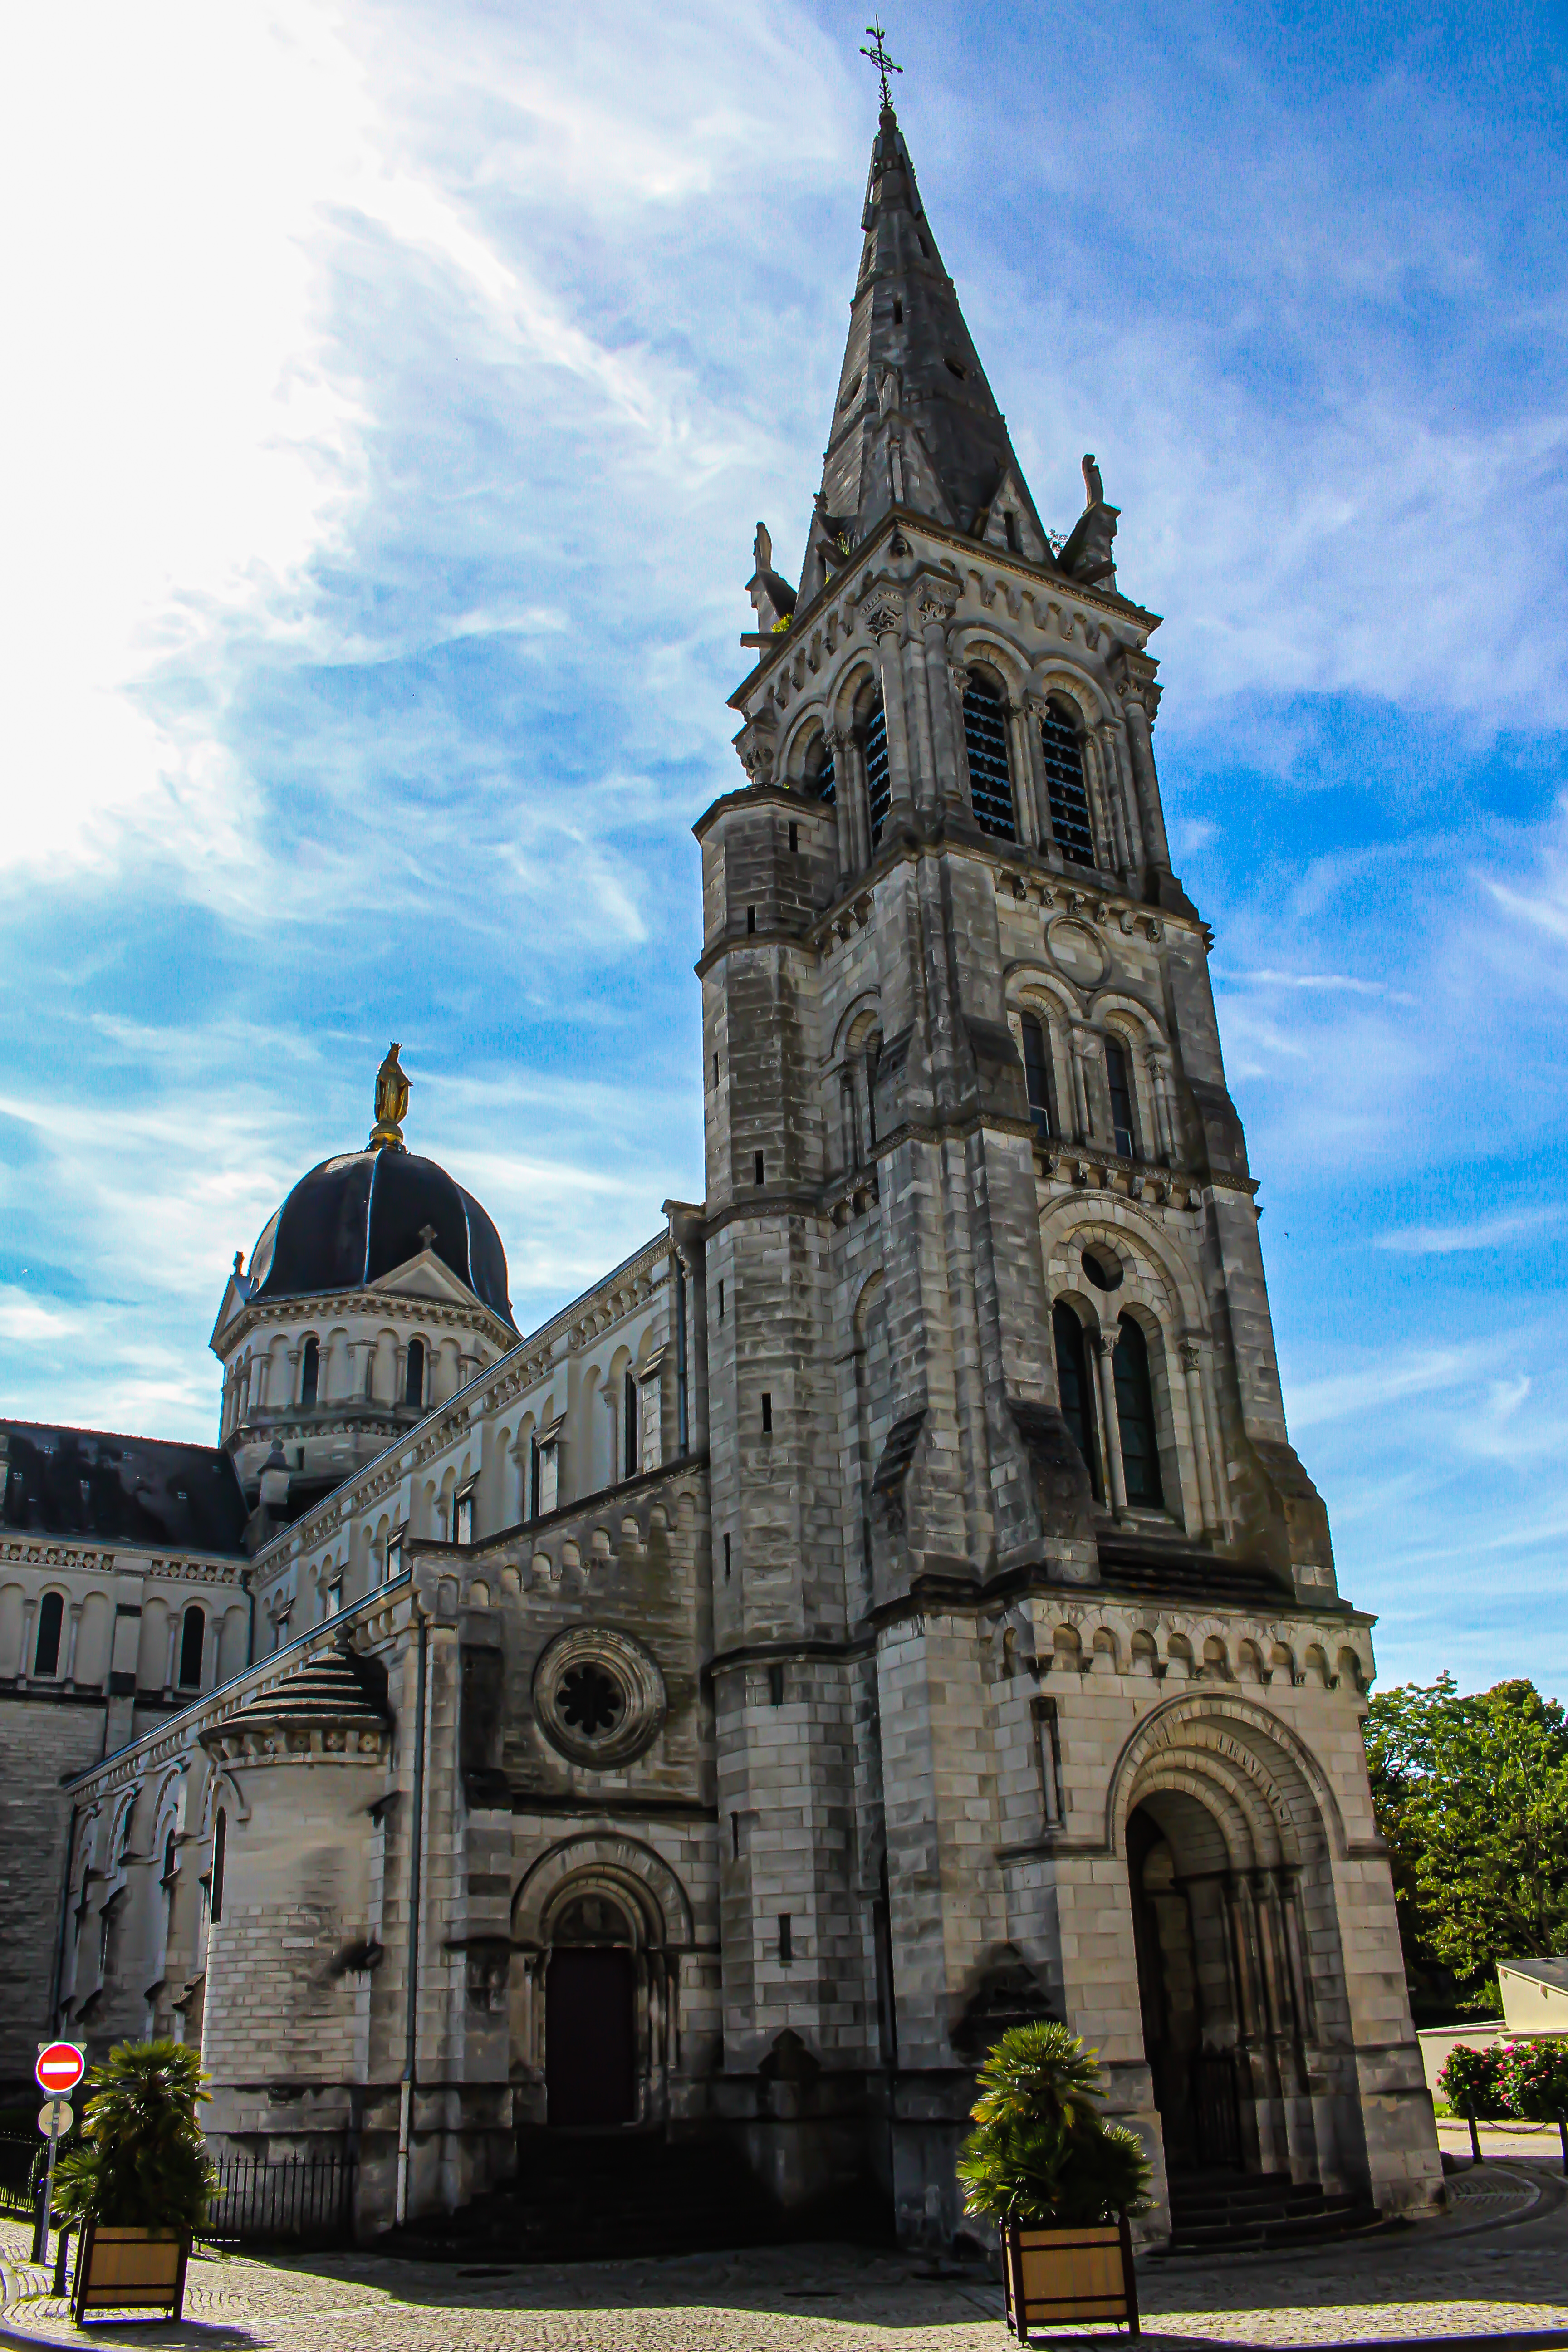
column 395, row 1556
column 794, row 838
column 897, row 310
column 220, row 1844
column 751, row 919
column 786, row 1941
column 720, row 1299
column 335, row 1597
column 758, row 1158
column 463, row 1517
column 1063, row 754
column 990, row 780
column 1075, row 1389
column 767, row 1413
column 1119, row 1078
column 955, row 368
column 734, row 1837
column 311, row 1373
column 632, row 1417
column 726, row 1559
column 775, row 1686
column 878, row 787
column 1135, row 1413
column 1037, row 1075
column 192, row 1631
column 414, row 1374
column 46, row 1656
column 1102, row 1269
column 715, row 1070
column 1010, row 525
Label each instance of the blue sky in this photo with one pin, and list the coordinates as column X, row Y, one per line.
column 394, row 394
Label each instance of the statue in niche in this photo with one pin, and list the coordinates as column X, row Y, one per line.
column 1094, row 488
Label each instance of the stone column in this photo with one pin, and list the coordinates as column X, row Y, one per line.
column 1025, row 807
column 1111, row 1420
column 1141, row 745
column 1191, row 1355
column 176, row 1618
column 945, row 729
column 1085, row 1126
column 1164, row 1125
column 838, row 747
column 25, row 1655
column 884, row 617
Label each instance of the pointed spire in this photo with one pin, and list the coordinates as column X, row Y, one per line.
column 915, row 424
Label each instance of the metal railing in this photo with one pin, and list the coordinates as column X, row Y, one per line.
column 19, row 2151
column 297, row 2201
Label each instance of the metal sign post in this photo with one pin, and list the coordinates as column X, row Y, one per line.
column 60, row 2067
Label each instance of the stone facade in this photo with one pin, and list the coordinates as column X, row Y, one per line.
column 889, row 1605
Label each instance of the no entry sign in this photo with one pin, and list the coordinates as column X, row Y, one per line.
column 61, row 2068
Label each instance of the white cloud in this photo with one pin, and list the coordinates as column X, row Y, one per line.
column 1447, row 1241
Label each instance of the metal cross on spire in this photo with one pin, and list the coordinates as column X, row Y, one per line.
column 881, row 60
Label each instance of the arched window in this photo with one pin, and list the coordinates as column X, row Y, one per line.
column 1135, row 1411
column 990, row 781
column 633, row 1434
column 821, row 776
column 1077, row 1389
column 310, row 1373
column 414, row 1376
column 1037, row 1075
column 192, row 1634
column 1118, row 1075
column 220, row 1840
column 51, row 1615
column 879, row 788
column 1063, row 748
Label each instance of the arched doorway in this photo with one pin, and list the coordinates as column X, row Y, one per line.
column 590, row 2015
column 1176, row 1864
column 1228, row 1823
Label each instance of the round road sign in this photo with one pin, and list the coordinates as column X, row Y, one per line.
column 56, row 2118
column 61, row 2068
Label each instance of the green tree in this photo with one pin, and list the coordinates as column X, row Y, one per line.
column 1041, row 2151
column 144, row 2163
column 1471, row 1798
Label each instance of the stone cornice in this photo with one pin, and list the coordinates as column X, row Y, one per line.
column 60, row 1555
column 852, row 581
column 314, row 1305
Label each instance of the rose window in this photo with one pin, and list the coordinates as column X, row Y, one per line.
column 591, row 1701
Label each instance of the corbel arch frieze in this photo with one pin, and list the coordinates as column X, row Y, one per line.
column 1219, row 1723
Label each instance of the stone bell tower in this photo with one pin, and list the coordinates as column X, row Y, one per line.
column 998, row 1454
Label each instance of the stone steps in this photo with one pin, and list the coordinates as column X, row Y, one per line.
column 1221, row 2213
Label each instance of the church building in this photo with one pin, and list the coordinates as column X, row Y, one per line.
column 886, row 1607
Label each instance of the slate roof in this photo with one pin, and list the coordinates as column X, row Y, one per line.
column 95, row 1483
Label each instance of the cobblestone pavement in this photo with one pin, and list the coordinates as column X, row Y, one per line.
column 1497, row 2266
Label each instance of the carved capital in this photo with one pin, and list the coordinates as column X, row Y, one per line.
column 883, row 614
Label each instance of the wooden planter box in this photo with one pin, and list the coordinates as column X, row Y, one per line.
column 1065, row 2277
column 121, row 2269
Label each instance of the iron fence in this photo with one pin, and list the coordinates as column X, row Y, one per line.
column 17, row 2152
column 296, row 2200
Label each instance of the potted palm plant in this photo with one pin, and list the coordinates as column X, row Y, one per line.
column 138, row 2185
column 1058, row 2181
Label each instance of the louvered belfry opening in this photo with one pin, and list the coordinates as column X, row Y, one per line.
column 990, row 783
column 1063, row 751
column 879, row 790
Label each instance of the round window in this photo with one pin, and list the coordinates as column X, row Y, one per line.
column 1103, row 1268
column 598, row 1696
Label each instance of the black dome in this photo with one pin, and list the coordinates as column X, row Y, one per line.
column 354, row 1218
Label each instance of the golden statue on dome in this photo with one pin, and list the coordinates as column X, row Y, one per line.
column 391, row 1105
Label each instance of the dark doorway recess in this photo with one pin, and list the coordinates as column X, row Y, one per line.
column 590, row 2037
column 1185, row 1988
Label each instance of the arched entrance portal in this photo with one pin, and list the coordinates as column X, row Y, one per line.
column 590, row 2015
column 1227, row 1825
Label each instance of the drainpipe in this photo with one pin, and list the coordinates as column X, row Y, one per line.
column 65, row 1926
column 681, row 1437
column 411, row 2028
